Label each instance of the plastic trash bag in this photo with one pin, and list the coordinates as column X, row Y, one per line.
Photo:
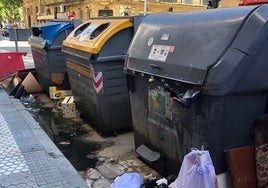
column 128, row 180
column 197, row 171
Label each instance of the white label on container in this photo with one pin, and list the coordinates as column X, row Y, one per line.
column 159, row 52
column 150, row 41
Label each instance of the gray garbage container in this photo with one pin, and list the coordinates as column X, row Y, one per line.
column 46, row 43
column 19, row 34
column 197, row 79
column 95, row 54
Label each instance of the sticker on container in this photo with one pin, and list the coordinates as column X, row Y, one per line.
column 79, row 68
column 150, row 41
column 171, row 49
column 165, row 36
column 98, row 82
column 159, row 102
column 159, row 52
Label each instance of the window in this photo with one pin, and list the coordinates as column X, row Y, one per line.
column 48, row 12
column 105, row 12
column 169, row 1
column 80, row 14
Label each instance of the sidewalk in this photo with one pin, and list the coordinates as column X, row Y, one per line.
column 28, row 158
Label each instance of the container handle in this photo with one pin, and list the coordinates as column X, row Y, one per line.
column 155, row 66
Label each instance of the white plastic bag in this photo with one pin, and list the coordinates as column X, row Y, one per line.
column 197, row 171
column 128, row 180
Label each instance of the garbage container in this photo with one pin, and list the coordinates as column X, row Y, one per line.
column 197, row 79
column 95, row 54
column 19, row 34
column 46, row 43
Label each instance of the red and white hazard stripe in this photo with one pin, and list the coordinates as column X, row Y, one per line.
column 98, row 82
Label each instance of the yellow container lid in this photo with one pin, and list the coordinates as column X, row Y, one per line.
column 92, row 35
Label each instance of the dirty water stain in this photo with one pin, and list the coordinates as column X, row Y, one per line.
column 68, row 137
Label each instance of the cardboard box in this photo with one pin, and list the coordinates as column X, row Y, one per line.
column 31, row 85
column 68, row 107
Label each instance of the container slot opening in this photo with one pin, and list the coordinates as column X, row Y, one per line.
column 98, row 30
column 81, row 29
column 183, row 94
column 37, row 32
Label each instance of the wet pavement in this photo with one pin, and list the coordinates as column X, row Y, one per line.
column 98, row 158
column 28, row 158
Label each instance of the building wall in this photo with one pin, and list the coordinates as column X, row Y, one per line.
column 39, row 11
column 229, row 3
column 29, row 10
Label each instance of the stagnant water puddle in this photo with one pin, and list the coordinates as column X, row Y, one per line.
column 68, row 134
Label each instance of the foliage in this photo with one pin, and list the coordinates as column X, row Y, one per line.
column 10, row 10
column 2, row 12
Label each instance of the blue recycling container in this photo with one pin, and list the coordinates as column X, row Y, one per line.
column 46, row 44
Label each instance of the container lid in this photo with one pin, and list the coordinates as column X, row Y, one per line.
column 92, row 35
column 43, row 34
column 183, row 46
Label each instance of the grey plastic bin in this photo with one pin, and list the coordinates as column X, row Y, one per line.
column 197, row 79
column 19, row 34
column 95, row 54
column 46, row 44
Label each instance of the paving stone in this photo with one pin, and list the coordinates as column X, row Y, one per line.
column 102, row 183
column 94, row 174
column 110, row 171
column 7, row 154
column 90, row 182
